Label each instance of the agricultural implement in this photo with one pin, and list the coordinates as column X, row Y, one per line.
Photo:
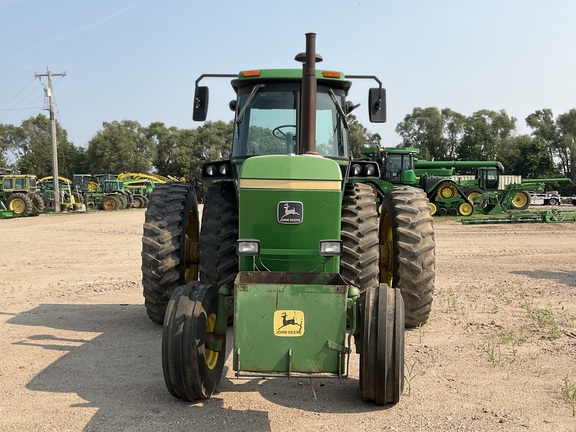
column 69, row 201
column 291, row 248
column 5, row 213
column 543, row 216
column 515, row 196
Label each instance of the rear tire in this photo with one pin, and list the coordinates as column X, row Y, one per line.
column 218, row 235
column 38, row 204
column 111, row 203
column 407, row 250
column 359, row 260
column 169, row 245
column 191, row 370
column 19, row 203
column 382, row 347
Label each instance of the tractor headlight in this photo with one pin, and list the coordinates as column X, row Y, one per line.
column 330, row 248
column 370, row 170
column 356, row 170
column 223, row 169
column 248, row 247
column 210, row 170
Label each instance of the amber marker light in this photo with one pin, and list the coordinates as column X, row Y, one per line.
column 330, row 74
column 251, row 73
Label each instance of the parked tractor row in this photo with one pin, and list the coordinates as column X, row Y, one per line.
column 104, row 191
column 25, row 195
column 448, row 194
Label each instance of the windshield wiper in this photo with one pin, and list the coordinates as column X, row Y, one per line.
column 250, row 97
column 339, row 108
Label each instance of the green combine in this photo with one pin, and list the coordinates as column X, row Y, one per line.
column 292, row 247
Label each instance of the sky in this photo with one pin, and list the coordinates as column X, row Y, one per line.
column 139, row 60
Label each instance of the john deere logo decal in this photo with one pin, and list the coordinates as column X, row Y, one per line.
column 290, row 212
column 288, row 323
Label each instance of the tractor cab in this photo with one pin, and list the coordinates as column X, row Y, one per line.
column 267, row 119
column 488, row 178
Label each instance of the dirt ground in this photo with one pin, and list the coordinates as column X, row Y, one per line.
column 78, row 351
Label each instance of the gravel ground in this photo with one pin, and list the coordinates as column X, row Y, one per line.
column 80, row 354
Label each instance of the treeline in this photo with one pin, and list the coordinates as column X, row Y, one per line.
column 441, row 134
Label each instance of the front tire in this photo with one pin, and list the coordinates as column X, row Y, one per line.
column 521, row 201
column 382, row 346
column 169, row 245
column 192, row 370
column 407, row 250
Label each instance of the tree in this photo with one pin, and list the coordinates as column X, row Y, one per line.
column 559, row 136
column 165, row 140
column 528, row 157
column 120, row 147
column 360, row 137
column 486, row 132
column 31, row 145
column 10, row 138
column 435, row 132
column 566, row 149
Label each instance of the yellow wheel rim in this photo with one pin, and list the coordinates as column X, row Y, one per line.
column 211, row 356
column 386, row 250
column 18, row 206
column 447, row 191
column 465, row 209
column 473, row 197
column 433, row 208
column 520, row 199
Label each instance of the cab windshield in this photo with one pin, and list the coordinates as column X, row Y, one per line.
column 268, row 121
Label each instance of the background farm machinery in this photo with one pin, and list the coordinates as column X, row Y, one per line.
column 19, row 195
column 447, row 193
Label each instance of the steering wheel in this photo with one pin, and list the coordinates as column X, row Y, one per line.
column 278, row 133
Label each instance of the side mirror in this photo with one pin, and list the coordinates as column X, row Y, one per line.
column 377, row 105
column 200, row 104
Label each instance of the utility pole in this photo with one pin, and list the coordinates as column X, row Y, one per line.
column 49, row 93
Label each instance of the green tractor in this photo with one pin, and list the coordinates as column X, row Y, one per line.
column 20, row 195
column 102, row 191
column 292, row 248
column 401, row 166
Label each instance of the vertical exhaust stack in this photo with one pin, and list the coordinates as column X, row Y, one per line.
column 308, row 133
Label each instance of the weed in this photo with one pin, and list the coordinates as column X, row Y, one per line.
column 421, row 331
column 409, row 374
column 492, row 349
column 569, row 392
column 514, row 338
column 546, row 319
